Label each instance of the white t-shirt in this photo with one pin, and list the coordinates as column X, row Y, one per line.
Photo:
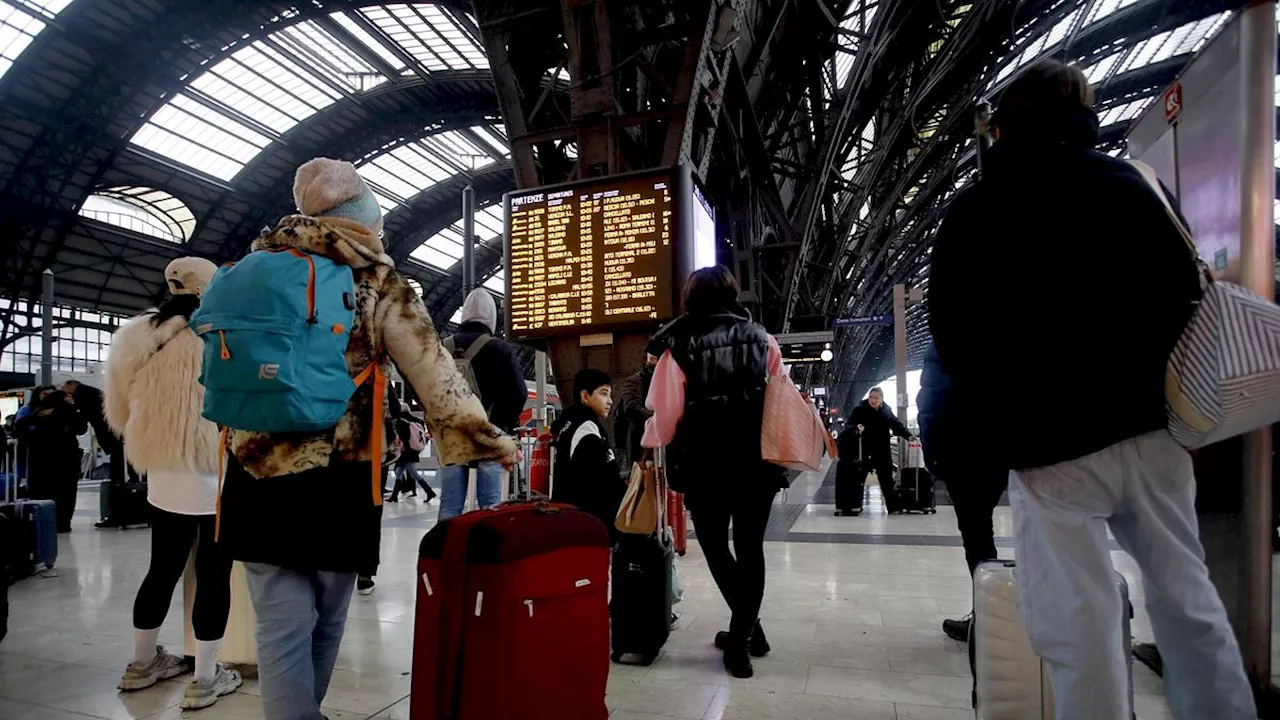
column 183, row 493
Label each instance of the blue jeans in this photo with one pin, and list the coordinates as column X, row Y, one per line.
column 1144, row 490
column 453, row 487
column 301, row 617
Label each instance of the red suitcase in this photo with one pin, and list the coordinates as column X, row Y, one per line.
column 678, row 521
column 512, row 617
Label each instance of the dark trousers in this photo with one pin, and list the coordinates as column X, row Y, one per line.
column 975, row 496
column 883, row 468
column 172, row 537
column 405, row 477
column 738, row 574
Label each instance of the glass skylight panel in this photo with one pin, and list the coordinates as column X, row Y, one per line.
column 143, row 210
column 261, row 83
column 1101, row 70
column 1103, row 8
column 497, row 283
column 493, row 139
column 417, row 286
column 433, row 257
column 1124, row 113
column 17, row 30
column 191, row 134
column 429, row 35
column 456, row 319
column 1179, row 41
column 359, row 32
column 329, row 57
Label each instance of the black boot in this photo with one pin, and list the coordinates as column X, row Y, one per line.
column 736, row 659
column 758, row 646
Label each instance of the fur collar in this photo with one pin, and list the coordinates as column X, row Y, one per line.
column 342, row 241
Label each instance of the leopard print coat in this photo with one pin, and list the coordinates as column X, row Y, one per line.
column 391, row 323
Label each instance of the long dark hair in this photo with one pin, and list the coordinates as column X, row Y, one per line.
column 711, row 290
column 174, row 306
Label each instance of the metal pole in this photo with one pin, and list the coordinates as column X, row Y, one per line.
column 1257, row 269
column 46, row 327
column 540, row 368
column 982, row 130
column 900, row 347
column 468, row 239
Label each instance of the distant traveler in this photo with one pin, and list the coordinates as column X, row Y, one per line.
column 874, row 424
column 499, row 382
column 964, row 454
column 586, row 473
column 707, row 398
column 407, row 477
column 1060, row 277
column 153, row 400
column 50, row 435
column 88, row 400
column 299, row 508
column 631, row 413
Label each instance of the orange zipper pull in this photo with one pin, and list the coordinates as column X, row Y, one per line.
column 226, row 354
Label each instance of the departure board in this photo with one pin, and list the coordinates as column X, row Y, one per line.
column 592, row 256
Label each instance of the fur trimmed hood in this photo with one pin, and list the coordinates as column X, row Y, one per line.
column 391, row 324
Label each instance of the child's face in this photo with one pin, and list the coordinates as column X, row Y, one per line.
column 601, row 400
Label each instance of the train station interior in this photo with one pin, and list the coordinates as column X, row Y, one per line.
column 573, row 182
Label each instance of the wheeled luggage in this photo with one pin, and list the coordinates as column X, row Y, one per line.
column 1010, row 680
column 851, row 480
column 123, row 505
column 34, row 532
column 641, row 606
column 916, row 491
column 512, row 616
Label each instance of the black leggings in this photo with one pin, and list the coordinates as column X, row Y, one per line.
column 172, row 536
column 883, row 468
column 740, row 574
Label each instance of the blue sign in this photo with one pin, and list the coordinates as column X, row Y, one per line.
column 860, row 321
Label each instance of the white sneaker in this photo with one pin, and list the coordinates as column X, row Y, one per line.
column 162, row 667
column 203, row 694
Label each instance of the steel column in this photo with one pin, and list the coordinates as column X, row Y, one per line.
column 46, row 327
column 468, row 239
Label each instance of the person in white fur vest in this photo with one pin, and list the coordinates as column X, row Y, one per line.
column 152, row 399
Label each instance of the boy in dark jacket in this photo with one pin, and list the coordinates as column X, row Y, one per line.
column 586, row 472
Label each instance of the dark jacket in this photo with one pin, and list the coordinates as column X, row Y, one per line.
column 50, row 441
column 878, row 425
column 88, row 401
column 724, row 357
column 586, row 472
column 1060, row 277
column 502, row 387
column 629, row 417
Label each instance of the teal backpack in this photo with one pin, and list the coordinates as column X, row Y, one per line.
column 275, row 328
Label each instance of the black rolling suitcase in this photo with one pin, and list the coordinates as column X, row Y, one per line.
column 851, row 478
column 916, row 491
column 123, row 505
column 640, row 606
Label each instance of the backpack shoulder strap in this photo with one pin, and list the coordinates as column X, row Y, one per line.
column 451, row 345
column 476, row 346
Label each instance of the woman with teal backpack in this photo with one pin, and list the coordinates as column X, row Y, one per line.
column 297, row 336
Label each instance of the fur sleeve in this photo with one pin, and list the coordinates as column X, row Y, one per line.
column 458, row 422
column 133, row 343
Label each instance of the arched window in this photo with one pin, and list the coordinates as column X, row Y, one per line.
column 142, row 210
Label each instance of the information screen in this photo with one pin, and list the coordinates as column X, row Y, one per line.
column 591, row 257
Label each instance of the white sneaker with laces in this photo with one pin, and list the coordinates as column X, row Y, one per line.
column 162, row 667
column 203, row 694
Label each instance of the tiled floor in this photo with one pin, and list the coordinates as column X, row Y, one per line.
column 855, row 628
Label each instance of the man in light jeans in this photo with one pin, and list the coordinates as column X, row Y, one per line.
column 1144, row 490
column 1060, row 277
column 453, row 487
column 301, row 617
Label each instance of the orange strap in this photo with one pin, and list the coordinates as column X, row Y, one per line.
column 222, row 460
column 222, row 337
column 311, row 281
column 374, row 371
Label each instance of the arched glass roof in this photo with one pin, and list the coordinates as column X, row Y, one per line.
column 400, row 170
column 237, row 106
column 20, row 22
column 144, row 210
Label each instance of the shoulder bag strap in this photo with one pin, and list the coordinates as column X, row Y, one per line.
column 476, row 346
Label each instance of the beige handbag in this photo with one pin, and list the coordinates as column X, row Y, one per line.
column 640, row 508
column 792, row 434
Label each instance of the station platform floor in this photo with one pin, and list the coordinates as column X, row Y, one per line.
column 853, row 610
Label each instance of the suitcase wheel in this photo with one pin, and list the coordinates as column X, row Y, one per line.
column 616, row 657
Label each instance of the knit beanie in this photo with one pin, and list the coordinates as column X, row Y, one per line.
column 333, row 188
column 189, row 275
column 479, row 307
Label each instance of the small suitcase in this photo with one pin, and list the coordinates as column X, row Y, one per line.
column 1010, row 681
column 512, row 616
column 916, row 492
column 34, row 532
column 640, row 609
column 123, row 505
column 851, row 479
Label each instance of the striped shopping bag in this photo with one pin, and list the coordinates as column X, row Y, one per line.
column 1223, row 377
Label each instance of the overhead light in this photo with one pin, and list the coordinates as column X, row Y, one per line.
column 827, row 356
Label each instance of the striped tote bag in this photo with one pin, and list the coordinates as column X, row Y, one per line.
column 1223, row 377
